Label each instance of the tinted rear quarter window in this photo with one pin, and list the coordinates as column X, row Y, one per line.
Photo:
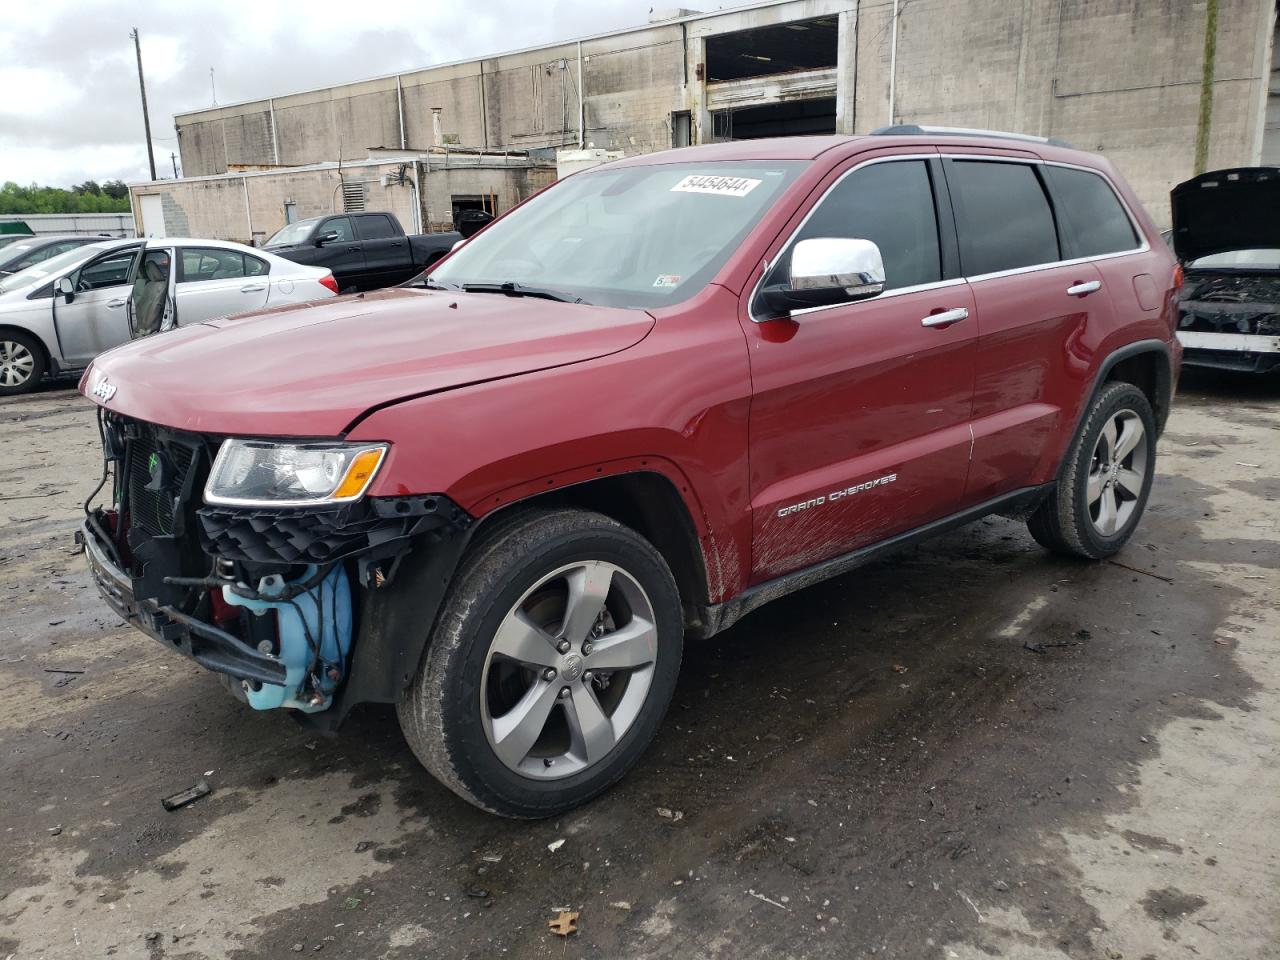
column 1093, row 219
column 1002, row 215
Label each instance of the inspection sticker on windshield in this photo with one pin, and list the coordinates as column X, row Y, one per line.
column 667, row 280
column 723, row 186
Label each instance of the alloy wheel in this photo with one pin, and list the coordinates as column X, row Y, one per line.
column 16, row 363
column 569, row 670
column 1117, row 472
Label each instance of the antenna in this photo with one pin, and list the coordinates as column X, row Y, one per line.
column 213, row 89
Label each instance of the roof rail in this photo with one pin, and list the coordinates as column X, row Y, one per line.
column 916, row 130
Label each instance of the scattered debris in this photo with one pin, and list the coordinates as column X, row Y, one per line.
column 1145, row 573
column 492, row 858
column 365, row 845
column 1001, row 886
column 296, row 948
column 55, row 831
column 761, row 896
column 479, row 893
column 153, row 936
column 565, row 923
column 56, row 670
column 555, row 845
column 1045, row 647
column 54, row 623
column 621, row 904
column 898, row 668
column 668, row 814
column 352, row 902
column 1241, row 463
column 189, row 795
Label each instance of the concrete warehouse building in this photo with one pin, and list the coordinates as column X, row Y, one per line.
column 1163, row 87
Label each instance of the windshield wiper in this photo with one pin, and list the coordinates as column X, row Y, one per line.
column 513, row 289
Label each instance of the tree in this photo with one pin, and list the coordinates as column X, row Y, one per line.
column 18, row 200
column 116, row 189
column 89, row 186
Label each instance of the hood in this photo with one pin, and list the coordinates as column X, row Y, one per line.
column 1226, row 210
column 311, row 369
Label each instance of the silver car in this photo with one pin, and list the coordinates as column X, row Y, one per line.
column 59, row 314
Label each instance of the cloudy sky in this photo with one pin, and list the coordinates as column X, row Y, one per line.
column 70, row 109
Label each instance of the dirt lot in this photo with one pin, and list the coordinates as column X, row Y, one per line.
column 971, row 750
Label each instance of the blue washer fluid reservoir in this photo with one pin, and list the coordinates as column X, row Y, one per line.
column 324, row 614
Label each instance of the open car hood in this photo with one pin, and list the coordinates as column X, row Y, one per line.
column 311, row 369
column 1226, row 210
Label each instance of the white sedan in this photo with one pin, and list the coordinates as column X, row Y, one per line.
column 59, row 314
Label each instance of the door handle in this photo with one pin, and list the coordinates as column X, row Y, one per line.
column 253, row 288
column 1084, row 289
column 113, row 304
column 946, row 318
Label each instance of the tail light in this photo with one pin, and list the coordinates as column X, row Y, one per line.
column 329, row 283
column 1177, row 277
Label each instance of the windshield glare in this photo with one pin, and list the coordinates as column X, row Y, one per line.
column 1259, row 259
column 294, row 233
column 54, row 265
column 636, row 237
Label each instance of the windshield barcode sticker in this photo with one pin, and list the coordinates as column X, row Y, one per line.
column 723, row 186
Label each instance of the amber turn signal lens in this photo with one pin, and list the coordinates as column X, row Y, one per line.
column 359, row 473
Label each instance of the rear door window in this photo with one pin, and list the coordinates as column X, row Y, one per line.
column 890, row 204
column 1093, row 219
column 211, row 263
column 1002, row 215
column 375, row 227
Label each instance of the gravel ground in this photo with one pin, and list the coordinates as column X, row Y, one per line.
column 970, row 750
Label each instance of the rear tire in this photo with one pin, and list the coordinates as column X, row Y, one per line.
column 1103, row 486
column 22, row 363
column 488, row 713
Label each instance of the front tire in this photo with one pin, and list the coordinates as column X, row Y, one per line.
column 551, row 666
column 1103, row 486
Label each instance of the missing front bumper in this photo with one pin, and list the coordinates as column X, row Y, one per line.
column 206, row 644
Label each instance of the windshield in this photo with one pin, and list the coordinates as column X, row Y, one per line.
column 62, row 263
column 1259, row 259
column 293, row 233
column 636, row 237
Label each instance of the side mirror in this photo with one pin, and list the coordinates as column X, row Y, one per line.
column 324, row 238
column 66, row 288
column 826, row 271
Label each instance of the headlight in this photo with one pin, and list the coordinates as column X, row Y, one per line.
column 259, row 473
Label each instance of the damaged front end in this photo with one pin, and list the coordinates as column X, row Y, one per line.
column 312, row 607
column 1227, row 237
column 1231, row 321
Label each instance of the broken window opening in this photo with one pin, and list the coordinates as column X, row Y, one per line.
column 795, row 118
column 781, row 48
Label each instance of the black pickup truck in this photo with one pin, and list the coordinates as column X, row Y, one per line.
column 364, row 250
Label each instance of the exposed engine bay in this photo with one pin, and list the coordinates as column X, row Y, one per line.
column 271, row 599
column 1230, row 303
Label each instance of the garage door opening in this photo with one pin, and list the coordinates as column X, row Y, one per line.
column 795, row 118
column 783, row 48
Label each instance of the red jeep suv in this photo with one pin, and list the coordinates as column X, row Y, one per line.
column 643, row 403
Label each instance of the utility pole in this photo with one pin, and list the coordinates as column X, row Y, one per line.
column 146, row 118
column 173, row 158
column 213, row 88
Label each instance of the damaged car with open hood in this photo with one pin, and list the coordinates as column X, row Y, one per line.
column 1226, row 233
column 649, row 399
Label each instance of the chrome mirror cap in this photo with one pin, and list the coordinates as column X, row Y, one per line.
column 849, row 263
